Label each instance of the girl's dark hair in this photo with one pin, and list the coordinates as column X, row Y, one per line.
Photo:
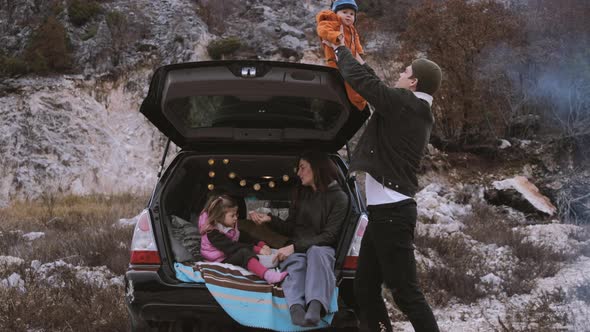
column 216, row 208
column 324, row 170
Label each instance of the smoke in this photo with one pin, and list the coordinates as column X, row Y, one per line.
column 548, row 71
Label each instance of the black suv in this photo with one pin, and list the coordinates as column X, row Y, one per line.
column 240, row 126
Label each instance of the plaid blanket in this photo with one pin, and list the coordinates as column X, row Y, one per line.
column 248, row 299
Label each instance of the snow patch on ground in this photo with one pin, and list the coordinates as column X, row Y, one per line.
column 437, row 207
column 127, row 222
column 8, row 263
column 53, row 274
column 99, row 276
column 14, row 281
column 33, row 236
column 556, row 236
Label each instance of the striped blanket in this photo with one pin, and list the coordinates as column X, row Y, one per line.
column 248, row 299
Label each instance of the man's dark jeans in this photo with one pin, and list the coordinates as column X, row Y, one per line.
column 387, row 255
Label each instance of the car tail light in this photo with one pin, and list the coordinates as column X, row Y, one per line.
column 143, row 245
column 351, row 259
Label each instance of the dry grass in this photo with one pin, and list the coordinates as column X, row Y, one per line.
column 458, row 277
column 487, row 225
column 69, row 211
column 460, row 267
column 78, row 230
column 74, row 307
column 537, row 315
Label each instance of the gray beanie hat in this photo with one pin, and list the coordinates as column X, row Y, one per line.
column 428, row 74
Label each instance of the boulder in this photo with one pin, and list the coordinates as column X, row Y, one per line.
column 520, row 194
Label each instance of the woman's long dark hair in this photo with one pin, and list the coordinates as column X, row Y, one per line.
column 324, row 172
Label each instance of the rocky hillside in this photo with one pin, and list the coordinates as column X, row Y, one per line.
column 80, row 131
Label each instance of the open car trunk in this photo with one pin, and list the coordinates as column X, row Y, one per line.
column 256, row 182
column 266, row 106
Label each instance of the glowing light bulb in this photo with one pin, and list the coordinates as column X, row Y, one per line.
column 243, row 183
column 232, row 175
column 285, row 178
column 226, row 161
column 211, row 174
column 271, row 184
column 211, row 187
column 257, row 187
column 211, row 161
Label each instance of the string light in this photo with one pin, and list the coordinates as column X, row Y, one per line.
column 267, row 180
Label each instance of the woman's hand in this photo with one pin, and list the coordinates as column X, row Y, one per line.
column 283, row 253
column 258, row 218
column 265, row 250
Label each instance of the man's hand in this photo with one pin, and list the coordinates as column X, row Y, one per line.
column 359, row 59
column 258, row 218
column 340, row 39
column 283, row 253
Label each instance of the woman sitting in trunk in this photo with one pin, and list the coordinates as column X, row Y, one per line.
column 315, row 219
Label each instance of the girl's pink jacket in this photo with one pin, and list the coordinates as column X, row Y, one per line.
column 208, row 251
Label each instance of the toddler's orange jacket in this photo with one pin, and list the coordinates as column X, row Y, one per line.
column 328, row 28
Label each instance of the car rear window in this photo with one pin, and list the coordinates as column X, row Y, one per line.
column 260, row 111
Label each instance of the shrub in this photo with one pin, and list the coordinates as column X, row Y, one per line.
column 49, row 48
column 56, row 7
column 457, row 34
column 555, row 71
column 81, row 233
column 215, row 12
column 76, row 306
column 221, row 47
column 458, row 276
column 81, row 11
column 116, row 21
column 537, row 315
column 488, row 226
column 90, row 32
column 11, row 66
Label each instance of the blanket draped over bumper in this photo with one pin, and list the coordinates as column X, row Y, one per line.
column 248, row 299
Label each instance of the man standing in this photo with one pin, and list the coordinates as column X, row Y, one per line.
column 389, row 152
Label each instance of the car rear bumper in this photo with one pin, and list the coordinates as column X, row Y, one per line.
column 150, row 299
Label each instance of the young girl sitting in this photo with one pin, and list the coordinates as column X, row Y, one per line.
column 218, row 225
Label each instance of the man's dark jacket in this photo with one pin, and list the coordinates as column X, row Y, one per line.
column 395, row 138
